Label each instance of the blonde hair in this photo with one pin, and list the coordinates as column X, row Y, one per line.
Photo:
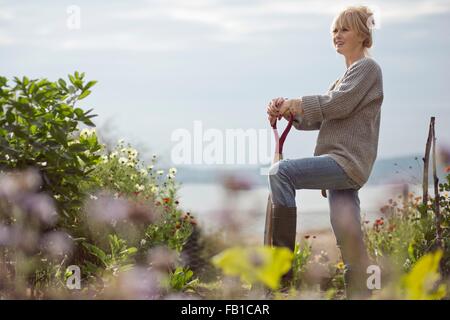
column 359, row 19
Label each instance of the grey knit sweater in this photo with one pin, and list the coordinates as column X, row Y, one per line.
column 348, row 117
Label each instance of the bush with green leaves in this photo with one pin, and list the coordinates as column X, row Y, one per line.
column 39, row 127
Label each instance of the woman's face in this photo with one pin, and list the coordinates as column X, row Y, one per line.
column 346, row 41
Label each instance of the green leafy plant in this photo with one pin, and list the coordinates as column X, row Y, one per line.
column 39, row 127
column 118, row 258
column 181, row 279
column 302, row 254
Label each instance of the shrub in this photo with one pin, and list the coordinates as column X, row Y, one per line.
column 39, row 126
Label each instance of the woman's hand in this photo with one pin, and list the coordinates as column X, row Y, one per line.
column 291, row 106
column 273, row 109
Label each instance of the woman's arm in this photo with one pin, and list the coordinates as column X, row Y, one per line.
column 341, row 101
column 300, row 124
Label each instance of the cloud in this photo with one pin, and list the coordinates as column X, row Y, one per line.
column 171, row 25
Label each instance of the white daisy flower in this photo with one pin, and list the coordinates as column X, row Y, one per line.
column 139, row 187
column 154, row 189
column 160, row 172
column 173, row 171
column 84, row 133
column 123, row 160
column 143, row 172
column 132, row 153
column 113, row 155
column 93, row 197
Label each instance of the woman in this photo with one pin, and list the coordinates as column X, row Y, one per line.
column 348, row 120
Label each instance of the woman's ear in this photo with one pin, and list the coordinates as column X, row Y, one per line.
column 362, row 39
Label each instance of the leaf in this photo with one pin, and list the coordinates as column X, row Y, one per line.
column 130, row 251
column 90, row 84
column 62, row 83
column 79, row 112
column 96, row 251
column 88, row 123
column 84, row 94
column 72, row 79
column 77, row 147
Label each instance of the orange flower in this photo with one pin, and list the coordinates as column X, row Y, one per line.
column 447, row 169
column 166, row 200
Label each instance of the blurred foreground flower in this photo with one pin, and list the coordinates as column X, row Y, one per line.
column 255, row 264
column 420, row 283
column 16, row 183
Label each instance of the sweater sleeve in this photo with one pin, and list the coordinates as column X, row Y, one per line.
column 341, row 101
column 300, row 124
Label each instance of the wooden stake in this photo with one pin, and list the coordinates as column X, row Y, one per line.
column 426, row 161
column 437, row 210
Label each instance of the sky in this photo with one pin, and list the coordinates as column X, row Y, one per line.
column 162, row 64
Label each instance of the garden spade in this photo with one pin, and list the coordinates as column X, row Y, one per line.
column 277, row 157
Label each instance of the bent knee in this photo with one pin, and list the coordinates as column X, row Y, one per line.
column 277, row 169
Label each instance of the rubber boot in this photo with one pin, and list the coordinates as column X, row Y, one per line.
column 284, row 224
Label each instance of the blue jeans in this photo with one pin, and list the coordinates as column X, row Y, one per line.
column 323, row 172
